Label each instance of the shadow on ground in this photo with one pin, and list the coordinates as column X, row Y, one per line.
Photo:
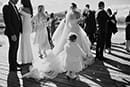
column 96, row 75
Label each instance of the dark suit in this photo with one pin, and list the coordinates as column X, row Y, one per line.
column 101, row 19
column 111, row 28
column 90, row 25
column 13, row 27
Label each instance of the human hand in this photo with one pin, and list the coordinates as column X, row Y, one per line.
column 113, row 21
column 14, row 38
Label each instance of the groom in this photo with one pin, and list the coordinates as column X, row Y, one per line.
column 101, row 19
column 13, row 24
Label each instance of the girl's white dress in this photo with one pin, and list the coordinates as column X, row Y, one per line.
column 74, row 57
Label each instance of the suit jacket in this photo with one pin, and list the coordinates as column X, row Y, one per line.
column 101, row 19
column 90, row 22
column 12, row 21
column 112, row 28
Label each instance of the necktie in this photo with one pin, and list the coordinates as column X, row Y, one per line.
column 16, row 11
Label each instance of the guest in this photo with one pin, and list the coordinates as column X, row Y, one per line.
column 52, row 20
column 46, row 12
column 111, row 28
column 41, row 37
column 74, row 56
column 51, row 27
column 128, row 32
column 55, row 60
column 25, row 53
column 101, row 19
column 90, row 23
column 13, row 29
column 49, row 33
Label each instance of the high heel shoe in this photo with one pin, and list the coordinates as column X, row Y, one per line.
column 32, row 74
column 75, row 78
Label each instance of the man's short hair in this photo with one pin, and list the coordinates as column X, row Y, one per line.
column 73, row 5
column 87, row 5
column 109, row 11
column 101, row 4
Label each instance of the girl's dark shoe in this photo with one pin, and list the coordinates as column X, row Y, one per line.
column 41, row 56
column 68, row 78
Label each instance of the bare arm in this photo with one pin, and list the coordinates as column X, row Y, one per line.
column 27, row 10
column 82, row 52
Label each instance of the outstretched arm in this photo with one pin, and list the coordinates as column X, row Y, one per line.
column 81, row 51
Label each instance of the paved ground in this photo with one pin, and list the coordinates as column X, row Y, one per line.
column 113, row 72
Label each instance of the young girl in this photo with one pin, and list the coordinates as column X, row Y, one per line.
column 74, row 56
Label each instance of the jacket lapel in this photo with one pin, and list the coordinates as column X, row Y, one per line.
column 13, row 10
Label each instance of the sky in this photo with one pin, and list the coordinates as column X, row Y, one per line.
column 61, row 5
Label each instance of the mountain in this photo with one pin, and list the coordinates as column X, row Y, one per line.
column 58, row 6
column 1, row 3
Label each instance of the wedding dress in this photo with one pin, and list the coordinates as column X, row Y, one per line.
column 54, row 63
column 25, row 49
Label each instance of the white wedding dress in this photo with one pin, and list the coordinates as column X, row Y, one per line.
column 25, row 49
column 54, row 63
column 41, row 37
column 64, row 29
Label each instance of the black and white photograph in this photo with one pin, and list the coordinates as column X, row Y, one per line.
column 64, row 43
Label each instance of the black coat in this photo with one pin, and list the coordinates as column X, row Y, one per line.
column 90, row 22
column 112, row 27
column 101, row 20
column 12, row 21
column 128, row 28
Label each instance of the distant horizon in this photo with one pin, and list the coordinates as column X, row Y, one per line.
column 123, row 6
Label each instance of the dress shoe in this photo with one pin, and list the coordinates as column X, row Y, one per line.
column 16, row 69
column 108, row 51
column 19, row 69
column 19, row 65
column 101, row 58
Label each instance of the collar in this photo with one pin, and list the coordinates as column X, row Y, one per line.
column 12, row 3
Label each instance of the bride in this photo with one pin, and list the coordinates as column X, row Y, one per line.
column 54, row 63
